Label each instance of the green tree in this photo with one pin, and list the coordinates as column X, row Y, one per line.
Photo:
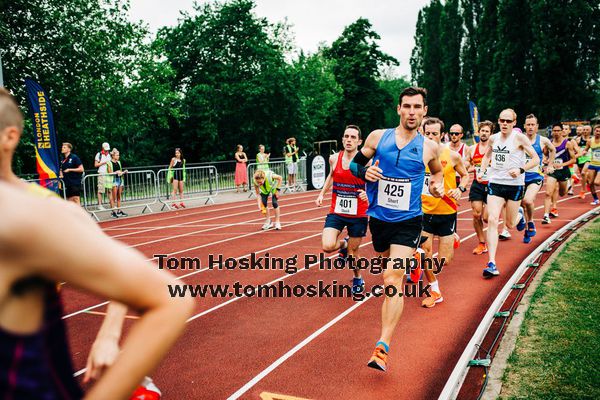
column 565, row 58
column 392, row 85
column 487, row 37
column 471, row 13
column 236, row 86
column 512, row 75
column 357, row 66
column 319, row 96
column 453, row 103
column 427, row 54
column 92, row 62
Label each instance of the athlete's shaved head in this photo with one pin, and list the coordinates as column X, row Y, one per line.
column 10, row 115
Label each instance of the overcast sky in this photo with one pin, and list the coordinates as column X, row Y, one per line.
column 313, row 21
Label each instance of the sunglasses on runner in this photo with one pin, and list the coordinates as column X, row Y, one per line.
column 454, row 133
column 505, row 121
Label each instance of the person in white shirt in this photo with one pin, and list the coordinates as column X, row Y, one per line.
column 100, row 161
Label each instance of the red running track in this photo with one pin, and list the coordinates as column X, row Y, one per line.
column 314, row 348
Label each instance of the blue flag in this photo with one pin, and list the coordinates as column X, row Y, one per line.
column 474, row 120
column 44, row 135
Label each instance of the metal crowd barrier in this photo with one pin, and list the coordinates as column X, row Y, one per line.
column 139, row 190
column 200, row 183
column 280, row 168
column 56, row 185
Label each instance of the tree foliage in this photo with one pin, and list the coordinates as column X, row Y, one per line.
column 358, row 63
column 536, row 56
column 221, row 76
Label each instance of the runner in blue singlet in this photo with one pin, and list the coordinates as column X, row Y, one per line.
column 394, row 187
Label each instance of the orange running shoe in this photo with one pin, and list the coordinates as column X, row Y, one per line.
column 379, row 358
column 415, row 274
column 554, row 213
column 582, row 194
column 480, row 249
column 435, row 298
column 576, row 179
column 456, row 240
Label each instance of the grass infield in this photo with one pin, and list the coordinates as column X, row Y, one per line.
column 558, row 350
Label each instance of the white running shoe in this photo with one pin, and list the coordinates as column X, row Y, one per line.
column 504, row 235
column 267, row 225
column 277, row 226
column 101, row 208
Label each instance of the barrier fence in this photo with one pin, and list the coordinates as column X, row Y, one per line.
column 139, row 190
column 200, row 183
column 280, row 168
column 150, row 186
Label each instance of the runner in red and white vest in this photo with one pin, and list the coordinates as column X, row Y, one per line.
column 479, row 187
column 348, row 204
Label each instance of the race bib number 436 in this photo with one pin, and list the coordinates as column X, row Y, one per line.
column 394, row 193
column 346, row 205
column 500, row 159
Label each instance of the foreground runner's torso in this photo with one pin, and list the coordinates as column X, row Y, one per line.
column 562, row 154
column 344, row 198
column 595, row 152
column 37, row 365
column 476, row 158
column 535, row 172
column 506, row 156
column 397, row 197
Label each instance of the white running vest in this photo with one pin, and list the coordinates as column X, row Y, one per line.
column 505, row 156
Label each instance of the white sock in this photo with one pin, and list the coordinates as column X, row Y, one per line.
column 435, row 286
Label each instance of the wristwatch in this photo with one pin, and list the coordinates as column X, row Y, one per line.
column 461, row 188
column 522, row 170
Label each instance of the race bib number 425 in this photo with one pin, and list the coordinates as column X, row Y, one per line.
column 346, row 205
column 394, row 193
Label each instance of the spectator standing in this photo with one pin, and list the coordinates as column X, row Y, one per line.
column 262, row 159
column 100, row 161
column 117, row 183
column 71, row 172
column 241, row 173
column 291, row 160
column 176, row 176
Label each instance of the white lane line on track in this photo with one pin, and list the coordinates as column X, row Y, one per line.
column 204, row 269
column 217, row 228
column 270, row 283
column 183, row 224
column 315, row 334
column 203, row 210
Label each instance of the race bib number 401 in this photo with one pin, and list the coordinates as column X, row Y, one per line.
column 346, row 205
column 394, row 193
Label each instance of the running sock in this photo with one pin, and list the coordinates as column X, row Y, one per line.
column 435, row 286
column 385, row 346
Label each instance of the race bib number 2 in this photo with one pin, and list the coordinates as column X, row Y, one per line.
column 394, row 194
column 480, row 175
column 346, row 205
